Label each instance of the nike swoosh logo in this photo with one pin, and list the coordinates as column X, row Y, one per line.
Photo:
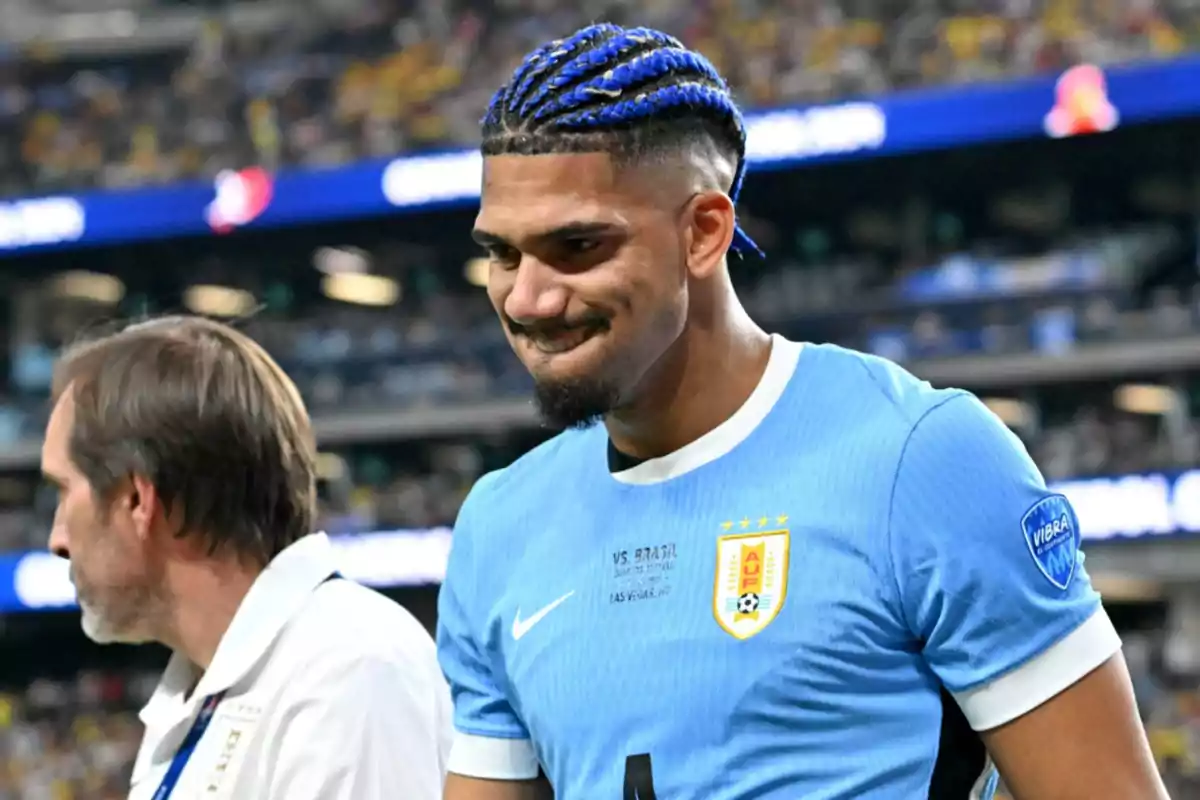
column 523, row 626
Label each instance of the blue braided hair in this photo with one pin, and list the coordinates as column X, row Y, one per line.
column 626, row 90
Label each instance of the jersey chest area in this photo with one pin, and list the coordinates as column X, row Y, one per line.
column 665, row 624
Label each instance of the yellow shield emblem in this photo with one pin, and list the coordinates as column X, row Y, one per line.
column 751, row 581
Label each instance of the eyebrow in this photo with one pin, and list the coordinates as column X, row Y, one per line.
column 570, row 230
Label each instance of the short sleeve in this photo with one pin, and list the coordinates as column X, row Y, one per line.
column 989, row 567
column 490, row 740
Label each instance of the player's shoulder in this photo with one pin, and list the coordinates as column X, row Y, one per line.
column 549, row 466
column 505, row 507
column 894, row 395
column 931, row 426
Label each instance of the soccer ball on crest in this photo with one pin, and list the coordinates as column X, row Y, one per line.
column 747, row 603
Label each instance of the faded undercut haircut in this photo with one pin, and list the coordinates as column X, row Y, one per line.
column 631, row 92
column 200, row 411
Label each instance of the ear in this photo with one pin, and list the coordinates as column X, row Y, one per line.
column 142, row 504
column 710, row 220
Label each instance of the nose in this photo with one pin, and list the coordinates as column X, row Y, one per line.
column 537, row 293
column 58, row 544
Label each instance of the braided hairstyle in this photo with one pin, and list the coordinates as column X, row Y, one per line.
column 628, row 91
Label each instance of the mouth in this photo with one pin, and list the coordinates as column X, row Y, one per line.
column 563, row 341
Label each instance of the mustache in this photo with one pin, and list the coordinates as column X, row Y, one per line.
column 554, row 327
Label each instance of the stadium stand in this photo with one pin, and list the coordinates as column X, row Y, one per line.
column 386, row 75
column 1040, row 274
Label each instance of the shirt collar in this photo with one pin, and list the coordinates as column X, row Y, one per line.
column 276, row 595
column 781, row 367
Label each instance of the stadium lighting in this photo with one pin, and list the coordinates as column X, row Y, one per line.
column 218, row 301
column 1126, row 588
column 476, row 271
column 333, row 260
column 1013, row 413
column 361, row 289
column 331, row 467
column 1137, row 398
column 93, row 286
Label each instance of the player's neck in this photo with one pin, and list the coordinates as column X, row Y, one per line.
column 204, row 596
column 702, row 381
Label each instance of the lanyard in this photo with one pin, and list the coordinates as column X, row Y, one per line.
column 184, row 753
column 188, row 746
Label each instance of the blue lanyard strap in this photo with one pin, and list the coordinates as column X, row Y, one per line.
column 184, row 753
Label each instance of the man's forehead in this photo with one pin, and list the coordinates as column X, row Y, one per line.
column 525, row 194
column 57, row 430
column 63, row 412
column 569, row 177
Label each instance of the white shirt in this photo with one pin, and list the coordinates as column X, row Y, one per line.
column 333, row 692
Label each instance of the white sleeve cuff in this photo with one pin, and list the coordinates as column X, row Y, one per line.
column 1043, row 677
column 492, row 758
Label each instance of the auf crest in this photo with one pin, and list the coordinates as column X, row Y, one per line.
column 751, row 579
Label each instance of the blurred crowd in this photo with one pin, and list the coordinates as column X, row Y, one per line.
column 71, row 740
column 397, row 75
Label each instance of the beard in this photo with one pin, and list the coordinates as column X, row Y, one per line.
column 96, row 625
column 120, row 619
column 577, row 403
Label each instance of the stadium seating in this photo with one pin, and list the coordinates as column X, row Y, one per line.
column 389, row 78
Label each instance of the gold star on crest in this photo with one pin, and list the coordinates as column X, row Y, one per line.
column 781, row 519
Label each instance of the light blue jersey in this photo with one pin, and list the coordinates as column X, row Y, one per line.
column 811, row 601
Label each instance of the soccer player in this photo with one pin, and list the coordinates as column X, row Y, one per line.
column 776, row 570
column 185, row 467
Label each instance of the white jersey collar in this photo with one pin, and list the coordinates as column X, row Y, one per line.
column 781, row 366
column 276, row 595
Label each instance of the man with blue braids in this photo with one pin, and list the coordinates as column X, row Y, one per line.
column 749, row 568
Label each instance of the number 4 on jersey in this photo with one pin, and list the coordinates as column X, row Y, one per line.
column 639, row 778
